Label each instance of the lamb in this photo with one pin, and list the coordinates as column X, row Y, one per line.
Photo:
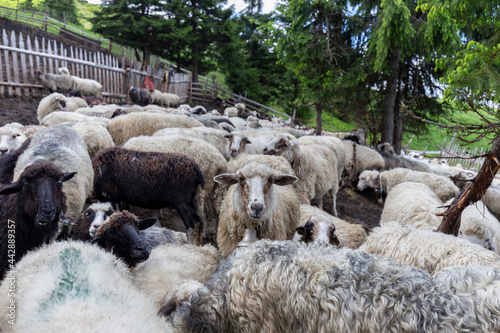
column 54, row 82
column 64, row 147
column 386, row 180
column 143, row 123
column 210, row 162
column 59, row 117
column 77, row 287
column 293, row 287
column 96, row 137
column 231, row 111
column 119, row 234
column 171, row 267
column 29, row 211
column 314, row 165
column 393, row 161
column 140, row 96
column 259, row 201
column 51, row 103
column 349, row 235
column 149, row 180
column 431, row 251
column 215, row 137
column 11, row 139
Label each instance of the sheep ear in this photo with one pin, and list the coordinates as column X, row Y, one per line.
column 226, row 179
column 289, row 143
column 282, row 180
column 66, row 176
column 229, row 136
column 246, row 140
column 12, row 188
column 146, row 223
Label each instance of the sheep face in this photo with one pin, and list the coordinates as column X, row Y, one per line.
column 320, row 230
column 236, row 144
column 255, row 188
column 10, row 141
column 41, row 195
column 368, row 178
column 60, row 104
column 386, row 147
column 283, row 145
column 120, row 234
column 94, row 216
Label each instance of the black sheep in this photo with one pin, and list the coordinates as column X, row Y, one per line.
column 8, row 163
column 30, row 210
column 149, row 180
column 140, row 96
column 120, row 235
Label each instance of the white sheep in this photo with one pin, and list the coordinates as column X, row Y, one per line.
column 253, row 122
column 54, row 82
column 231, row 111
column 314, row 165
column 76, row 287
column 75, row 103
column 87, row 87
column 278, row 163
column 11, row 138
column 366, row 158
column 491, row 199
column 386, row 180
column 51, row 103
column 171, row 266
column 96, row 137
column 127, row 126
column 59, row 117
column 349, row 234
column 426, row 249
column 412, row 204
column 249, row 142
column 335, row 144
column 392, row 160
column 208, row 158
column 215, row 137
column 258, row 200
column 101, row 110
column 293, row 287
column 64, row 147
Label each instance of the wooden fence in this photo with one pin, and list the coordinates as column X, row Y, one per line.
column 20, row 57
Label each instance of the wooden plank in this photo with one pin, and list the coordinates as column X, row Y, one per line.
column 10, row 91
column 31, row 70
column 37, row 49
column 15, row 63
column 23, row 64
column 80, row 73
column 49, row 59
column 21, row 85
column 64, row 63
column 72, row 55
column 2, row 88
column 86, row 58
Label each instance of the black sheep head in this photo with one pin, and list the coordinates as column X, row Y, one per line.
column 39, row 193
column 120, row 235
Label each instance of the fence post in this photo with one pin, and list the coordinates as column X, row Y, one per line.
column 44, row 25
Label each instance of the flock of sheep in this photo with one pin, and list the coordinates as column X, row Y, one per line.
column 73, row 187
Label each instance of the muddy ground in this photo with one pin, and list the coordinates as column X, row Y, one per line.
column 352, row 206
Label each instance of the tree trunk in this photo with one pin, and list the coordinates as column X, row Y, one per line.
column 319, row 120
column 390, row 96
column 398, row 129
column 145, row 58
column 472, row 192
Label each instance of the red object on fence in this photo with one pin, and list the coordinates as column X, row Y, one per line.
column 148, row 84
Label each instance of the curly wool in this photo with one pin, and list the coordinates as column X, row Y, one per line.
column 291, row 287
column 425, row 249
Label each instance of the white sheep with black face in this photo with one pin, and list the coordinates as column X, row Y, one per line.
column 258, row 201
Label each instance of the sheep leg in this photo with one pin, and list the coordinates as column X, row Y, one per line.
column 334, row 203
column 190, row 219
column 319, row 202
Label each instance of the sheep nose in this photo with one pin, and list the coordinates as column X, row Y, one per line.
column 257, row 207
column 3, row 150
column 265, row 149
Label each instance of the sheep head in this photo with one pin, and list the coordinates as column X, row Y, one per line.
column 120, row 234
column 368, row 178
column 283, row 145
column 318, row 229
column 255, row 186
column 237, row 143
column 11, row 139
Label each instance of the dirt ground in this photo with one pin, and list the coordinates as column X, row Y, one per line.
column 352, row 206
